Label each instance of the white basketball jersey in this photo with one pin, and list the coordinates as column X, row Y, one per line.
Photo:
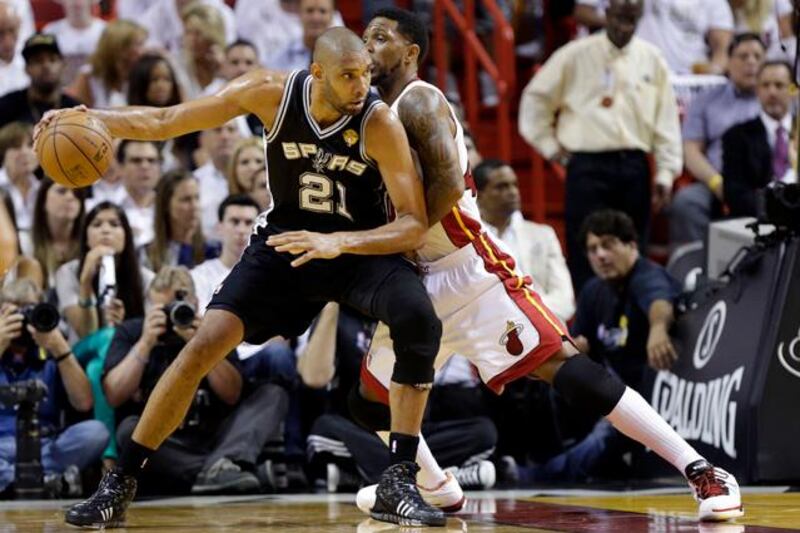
column 451, row 233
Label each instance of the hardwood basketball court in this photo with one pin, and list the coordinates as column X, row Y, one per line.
column 772, row 509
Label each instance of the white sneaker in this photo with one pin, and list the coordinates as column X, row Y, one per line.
column 476, row 476
column 448, row 496
column 715, row 490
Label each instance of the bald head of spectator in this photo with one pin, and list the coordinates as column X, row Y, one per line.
column 240, row 58
column 745, row 56
column 316, row 17
column 622, row 16
column 9, row 31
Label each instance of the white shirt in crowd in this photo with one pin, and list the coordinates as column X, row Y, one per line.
column 165, row 26
column 27, row 25
column 771, row 125
column 207, row 276
column 679, row 29
column 141, row 220
column 769, row 31
column 213, row 190
column 132, row 9
column 538, row 251
column 76, row 44
column 13, row 76
column 68, row 288
column 23, row 205
column 102, row 191
column 293, row 56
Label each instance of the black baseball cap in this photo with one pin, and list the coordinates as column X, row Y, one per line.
column 38, row 42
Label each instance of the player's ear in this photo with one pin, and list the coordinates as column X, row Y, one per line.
column 412, row 54
column 316, row 71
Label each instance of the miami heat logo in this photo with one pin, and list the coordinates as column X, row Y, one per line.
column 510, row 338
column 350, row 137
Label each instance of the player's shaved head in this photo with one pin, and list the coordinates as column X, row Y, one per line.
column 335, row 43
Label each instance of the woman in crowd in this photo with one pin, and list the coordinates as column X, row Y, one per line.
column 57, row 217
column 104, row 81
column 178, row 233
column 153, row 82
column 247, row 173
column 82, row 298
column 203, row 49
column 769, row 19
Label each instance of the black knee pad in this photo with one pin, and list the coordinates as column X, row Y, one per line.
column 587, row 385
column 372, row 416
column 416, row 331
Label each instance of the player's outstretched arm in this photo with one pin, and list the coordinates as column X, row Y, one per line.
column 431, row 132
column 257, row 92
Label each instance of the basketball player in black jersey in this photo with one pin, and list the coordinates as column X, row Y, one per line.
column 329, row 145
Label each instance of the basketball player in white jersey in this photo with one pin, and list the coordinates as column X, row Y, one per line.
column 488, row 311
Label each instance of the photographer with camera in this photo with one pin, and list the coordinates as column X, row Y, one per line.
column 34, row 349
column 218, row 443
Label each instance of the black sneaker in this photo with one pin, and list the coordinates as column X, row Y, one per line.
column 397, row 499
column 107, row 506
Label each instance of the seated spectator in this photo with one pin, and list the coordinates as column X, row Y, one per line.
column 246, row 160
column 12, row 67
column 269, row 24
column 153, row 82
column 28, row 354
column 338, row 342
column 27, row 25
column 103, row 82
column 201, row 59
column 710, row 115
column 165, row 21
column 9, row 242
column 16, row 176
column 758, row 152
column 217, row 446
column 140, row 170
column 178, row 236
column 316, row 16
column 241, row 57
column 57, row 221
column 259, row 190
column 623, row 320
column 535, row 246
column 77, row 34
column 769, row 19
column 45, row 66
column 601, row 126
column 219, row 143
column 84, row 299
column 108, row 188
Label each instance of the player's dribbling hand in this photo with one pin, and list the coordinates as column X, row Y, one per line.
column 307, row 244
column 50, row 116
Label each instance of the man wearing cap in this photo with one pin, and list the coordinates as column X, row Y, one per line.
column 45, row 66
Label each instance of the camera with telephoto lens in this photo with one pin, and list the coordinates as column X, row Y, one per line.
column 43, row 317
column 180, row 313
column 781, row 207
column 29, row 474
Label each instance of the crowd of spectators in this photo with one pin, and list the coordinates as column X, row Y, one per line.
column 131, row 262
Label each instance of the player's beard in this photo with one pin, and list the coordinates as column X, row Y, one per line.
column 383, row 77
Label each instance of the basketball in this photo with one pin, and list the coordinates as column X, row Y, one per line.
column 75, row 149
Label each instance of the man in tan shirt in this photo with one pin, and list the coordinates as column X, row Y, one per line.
column 598, row 106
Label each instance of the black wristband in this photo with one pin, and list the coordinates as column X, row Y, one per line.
column 61, row 357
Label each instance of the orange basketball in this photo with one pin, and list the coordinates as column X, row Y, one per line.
column 75, row 149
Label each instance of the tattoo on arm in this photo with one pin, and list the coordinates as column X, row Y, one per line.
column 431, row 133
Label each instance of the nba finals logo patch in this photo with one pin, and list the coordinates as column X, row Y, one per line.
column 510, row 338
column 350, row 137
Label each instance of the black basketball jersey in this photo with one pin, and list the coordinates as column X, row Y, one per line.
column 321, row 179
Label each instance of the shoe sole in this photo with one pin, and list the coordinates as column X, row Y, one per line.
column 116, row 523
column 721, row 515
column 406, row 521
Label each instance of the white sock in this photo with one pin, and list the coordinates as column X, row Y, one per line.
column 634, row 417
column 430, row 474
